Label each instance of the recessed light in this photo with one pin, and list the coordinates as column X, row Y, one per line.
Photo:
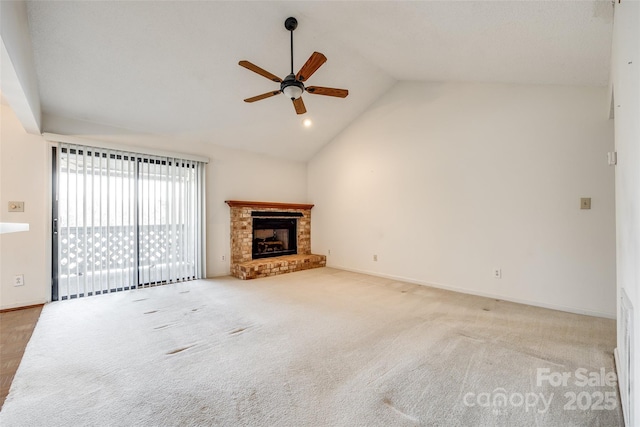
column 307, row 123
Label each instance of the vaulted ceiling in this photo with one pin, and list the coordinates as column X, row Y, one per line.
column 171, row 67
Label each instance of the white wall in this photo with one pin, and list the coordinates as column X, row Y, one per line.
column 626, row 85
column 23, row 167
column 444, row 182
column 231, row 174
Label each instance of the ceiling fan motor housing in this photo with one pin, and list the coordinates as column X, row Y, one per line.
column 291, row 87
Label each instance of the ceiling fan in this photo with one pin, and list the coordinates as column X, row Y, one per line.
column 292, row 85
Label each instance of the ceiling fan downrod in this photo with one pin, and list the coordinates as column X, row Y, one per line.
column 291, row 24
column 291, row 86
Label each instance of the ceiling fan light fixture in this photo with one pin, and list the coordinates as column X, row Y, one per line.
column 292, row 91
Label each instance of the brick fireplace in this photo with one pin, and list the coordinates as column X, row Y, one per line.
column 271, row 248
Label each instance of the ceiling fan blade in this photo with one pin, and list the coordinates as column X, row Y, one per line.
column 328, row 91
column 313, row 63
column 264, row 73
column 263, row 96
column 299, row 106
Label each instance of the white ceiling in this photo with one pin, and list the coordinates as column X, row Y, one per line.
column 171, row 68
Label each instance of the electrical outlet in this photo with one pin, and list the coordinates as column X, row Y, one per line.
column 18, row 280
column 222, row 258
column 497, row 273
column 585, row 203
column 329, row 252
column 375, row 257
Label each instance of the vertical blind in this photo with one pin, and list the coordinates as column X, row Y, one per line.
column 124, row 220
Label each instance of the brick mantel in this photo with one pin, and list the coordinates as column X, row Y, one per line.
column 242, row 264
column 276, row 205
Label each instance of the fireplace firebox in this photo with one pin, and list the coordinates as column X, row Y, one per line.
column 274, row 237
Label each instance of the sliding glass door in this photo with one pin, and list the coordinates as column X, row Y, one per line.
column 124, row 220
column 167, row 225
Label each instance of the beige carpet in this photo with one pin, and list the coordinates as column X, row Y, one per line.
column 321, row 347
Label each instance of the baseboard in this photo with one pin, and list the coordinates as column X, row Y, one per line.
column 567, row 309
column 22, row 307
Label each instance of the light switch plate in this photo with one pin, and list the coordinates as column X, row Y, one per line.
column 16, row 206
column 585, row 203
